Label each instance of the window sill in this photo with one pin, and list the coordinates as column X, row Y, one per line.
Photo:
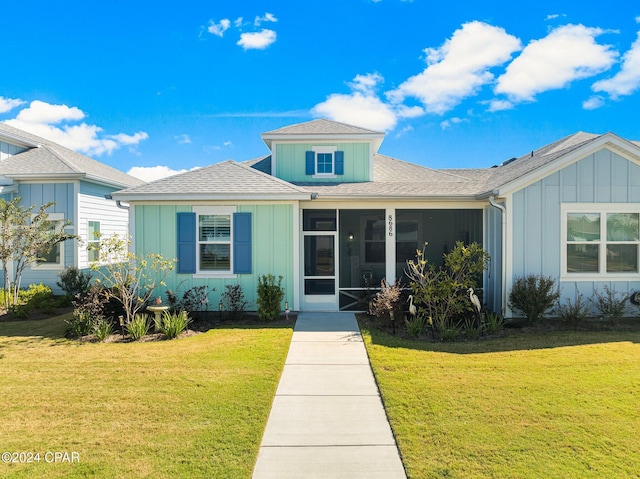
column 327, row 176
column 48, row 267
column 224, row 275
column 600, row 277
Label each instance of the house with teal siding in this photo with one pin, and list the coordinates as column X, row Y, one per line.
column 40, row 171
column 332, row 216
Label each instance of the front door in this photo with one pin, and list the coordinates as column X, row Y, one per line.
column 319, row 233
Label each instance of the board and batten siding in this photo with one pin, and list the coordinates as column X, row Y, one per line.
column 603, row 177
column 63, row 196
column 272, row 248
column 493, row 245
column 290, row 162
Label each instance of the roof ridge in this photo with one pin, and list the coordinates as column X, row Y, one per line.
column 65, row 162
column 265, row 175
column 435, row 170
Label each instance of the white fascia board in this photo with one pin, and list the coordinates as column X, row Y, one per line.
column 165, row 197
column 45, row 177
column 374, row 139
column 609, row 141
column 383, row 203
column 18, row 140
column 422, row 199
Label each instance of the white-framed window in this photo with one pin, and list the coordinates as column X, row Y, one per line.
column 54, row 257
column 214, row 237
column 325, row 161
column 600, row 241
column 93, row 240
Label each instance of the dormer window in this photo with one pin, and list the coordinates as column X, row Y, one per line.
column 324, row 162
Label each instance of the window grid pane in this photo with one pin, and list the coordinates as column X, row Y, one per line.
column 215, row 228
column 622, row 258
column 324, row 163
column 583, row 227
column 582, row 258
column 622, row 227
column 215, row 257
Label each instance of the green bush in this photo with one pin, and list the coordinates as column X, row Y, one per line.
column 38, row 296
column 172, row 324
column 573, row 312
column 74, row 282
column 270, row 296
column 102, row 329
column 415, row 325
column 533, row 295
column 139, row 326
column 20, row 311
column 233, row 300
column 80, row 324
column 612, row 305
column 493, row 322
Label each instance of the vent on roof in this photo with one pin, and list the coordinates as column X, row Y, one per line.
column 510, row 160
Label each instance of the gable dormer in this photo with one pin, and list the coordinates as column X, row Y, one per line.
column 323, row 151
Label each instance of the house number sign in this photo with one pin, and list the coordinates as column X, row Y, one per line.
column 390, row 225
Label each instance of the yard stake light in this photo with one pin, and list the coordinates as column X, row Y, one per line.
column 121, row 320
column 220, row 310
column 286, row 310
column 393, row 322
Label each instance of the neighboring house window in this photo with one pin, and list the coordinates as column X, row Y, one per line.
column 214, row 241
column 54, row 257
column 324, row 161
column 93, row 241
column 601, row 240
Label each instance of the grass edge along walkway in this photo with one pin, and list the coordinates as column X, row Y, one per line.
column 553, row 405
column 192, row 407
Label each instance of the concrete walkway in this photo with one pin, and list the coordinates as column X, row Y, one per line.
column 327, row 419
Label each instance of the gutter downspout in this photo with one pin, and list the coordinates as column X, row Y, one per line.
column 503, row 262
column 118, row 203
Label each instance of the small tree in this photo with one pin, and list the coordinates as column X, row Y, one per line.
column 26, row 235
column 129, row 279
column 442, row 292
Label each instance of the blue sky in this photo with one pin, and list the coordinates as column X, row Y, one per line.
column 142, row 85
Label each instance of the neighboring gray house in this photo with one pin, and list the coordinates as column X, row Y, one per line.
column 40, row 171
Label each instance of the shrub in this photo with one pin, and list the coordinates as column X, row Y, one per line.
column 91, row 303
column 139, row 326
column 195, row 299
column 387, row 300
column 415, row 325
column 612, row 305
column 102, row 329
column 533, row 295
column 74, row 282
column 173, row 324
column 450, row 333
column 493, row 322
column 472, row 330
column 80, row 324
column 38, row 296
column 233, row 300
column 573, row 312
column 20, row 311
column 270, row 296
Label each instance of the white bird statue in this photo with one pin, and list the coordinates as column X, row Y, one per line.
column 474, row 300
column 412, row 309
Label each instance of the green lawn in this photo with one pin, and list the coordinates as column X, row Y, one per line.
column 192, row 407
column 546, row 405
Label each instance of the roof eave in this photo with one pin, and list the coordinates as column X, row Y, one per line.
column 377, row 138
column 378, row 197
column 171, row 197
column 44, row 176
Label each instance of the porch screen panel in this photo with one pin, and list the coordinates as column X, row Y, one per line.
column 441, row 229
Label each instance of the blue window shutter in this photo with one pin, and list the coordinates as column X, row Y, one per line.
column 339, row 160
column 186, row 223
column 242, row 243
column 310, row 163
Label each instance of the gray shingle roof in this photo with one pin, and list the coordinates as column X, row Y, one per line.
column 227, row 179
column 46, row 158
column 322, row 127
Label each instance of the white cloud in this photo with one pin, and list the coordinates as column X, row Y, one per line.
column 458, row 68
column 404, row 131
column 257, row 40
column 500, row 105
column 238, row 22
column 8, row 104
column 218, row 29
column 268, row 17
column 228, row 143
column 567, row 54
column 41, row 118
column 553, row 16
column 596, row 101
column 362, row 107
column 627, row 80
column 153, row 173
column 182, row 139
column 452, row 121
